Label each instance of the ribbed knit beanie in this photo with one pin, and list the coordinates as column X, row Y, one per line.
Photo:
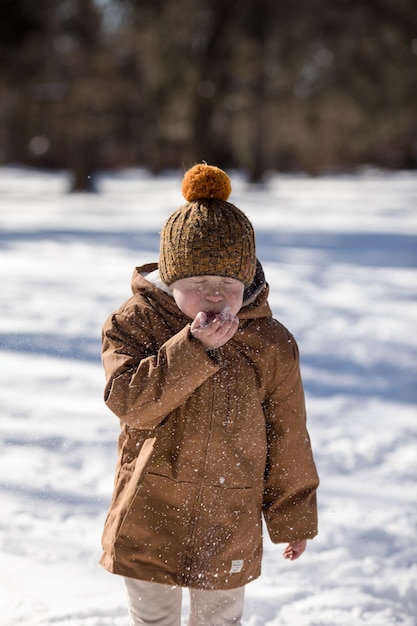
column 207, row 236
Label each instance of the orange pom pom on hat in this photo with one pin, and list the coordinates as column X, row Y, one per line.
column 208, row 236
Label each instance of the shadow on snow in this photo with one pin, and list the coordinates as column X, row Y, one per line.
column 367, row 249
column 146, row 240
column 363, row 249
column 53, row 345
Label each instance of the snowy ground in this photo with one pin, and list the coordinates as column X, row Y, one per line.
column 340, row 255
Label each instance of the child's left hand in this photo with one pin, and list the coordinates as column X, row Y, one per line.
column 294, row 550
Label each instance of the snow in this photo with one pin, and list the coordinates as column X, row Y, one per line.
column 340, row 255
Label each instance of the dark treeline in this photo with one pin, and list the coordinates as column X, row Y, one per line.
column 257, row 85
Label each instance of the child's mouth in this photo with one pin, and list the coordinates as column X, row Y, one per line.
column 210, row 315
column 223, row 316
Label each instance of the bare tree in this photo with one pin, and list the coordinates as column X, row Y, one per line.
column 253, row 84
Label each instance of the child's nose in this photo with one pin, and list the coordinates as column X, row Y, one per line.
column 214, row 295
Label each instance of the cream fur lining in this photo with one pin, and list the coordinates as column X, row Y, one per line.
column 155, row 280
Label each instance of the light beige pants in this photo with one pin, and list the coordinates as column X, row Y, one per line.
column 160, row 605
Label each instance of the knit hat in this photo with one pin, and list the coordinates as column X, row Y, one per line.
column 207, row 236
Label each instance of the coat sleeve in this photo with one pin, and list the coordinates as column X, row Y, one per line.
column 144, row 384
column 291, row 479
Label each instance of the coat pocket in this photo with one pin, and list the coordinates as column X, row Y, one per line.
column 141, row 464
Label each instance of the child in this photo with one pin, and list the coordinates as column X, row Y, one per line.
column 207, row 388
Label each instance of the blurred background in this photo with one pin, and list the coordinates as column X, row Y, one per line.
column 258, row 85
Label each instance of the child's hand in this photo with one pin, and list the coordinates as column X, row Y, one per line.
column 214, row 330
column 294, row 550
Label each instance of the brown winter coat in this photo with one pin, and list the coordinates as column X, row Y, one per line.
column 231, row 444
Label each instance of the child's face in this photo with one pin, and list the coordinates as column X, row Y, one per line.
column 208, row 293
